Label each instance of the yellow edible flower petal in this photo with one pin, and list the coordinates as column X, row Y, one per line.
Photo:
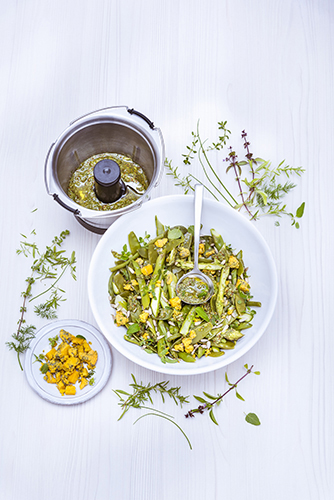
column 121, row 319
column 184, row 252
column 175, row 303
column 143, row 316
column 243, row 285
column 160, row 243
column 233, row 262
column 147, row 270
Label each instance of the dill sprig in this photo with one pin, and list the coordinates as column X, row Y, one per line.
column 209, row 401
column 49, row 265
column 261, row 187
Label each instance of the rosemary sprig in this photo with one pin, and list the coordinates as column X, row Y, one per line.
column 49, row 265
column 261, row 189
column 209, row 401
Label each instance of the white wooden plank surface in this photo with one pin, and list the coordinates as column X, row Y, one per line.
column 262, row 65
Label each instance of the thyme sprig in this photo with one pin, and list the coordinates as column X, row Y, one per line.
column 260, row 187
column 49, row 265
column 209, row 401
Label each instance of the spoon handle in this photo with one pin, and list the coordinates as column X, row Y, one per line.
column 197, row 224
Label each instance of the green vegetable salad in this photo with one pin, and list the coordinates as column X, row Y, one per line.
column 142, row 290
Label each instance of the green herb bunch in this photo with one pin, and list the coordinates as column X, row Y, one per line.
column 141, row 394
column 261, row 187
column 49, row 265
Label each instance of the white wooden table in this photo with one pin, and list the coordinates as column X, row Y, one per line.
column 262, row 65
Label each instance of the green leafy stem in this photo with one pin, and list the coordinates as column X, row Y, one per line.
column 261, row 190
column 49, row 265
column 208, row 403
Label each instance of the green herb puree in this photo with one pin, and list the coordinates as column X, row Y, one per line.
column 193, row 290
column 81, row 186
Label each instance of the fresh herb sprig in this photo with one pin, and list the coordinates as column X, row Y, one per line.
column 209, row 401
column 49, row 265
column 261, row 187
column 141, row 394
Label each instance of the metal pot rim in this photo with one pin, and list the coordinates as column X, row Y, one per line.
column 120, row 115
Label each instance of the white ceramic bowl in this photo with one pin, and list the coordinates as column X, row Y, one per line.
column 178, row 210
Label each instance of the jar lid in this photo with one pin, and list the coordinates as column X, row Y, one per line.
column 41, row 345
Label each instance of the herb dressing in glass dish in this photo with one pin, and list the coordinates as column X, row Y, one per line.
column 81, row 187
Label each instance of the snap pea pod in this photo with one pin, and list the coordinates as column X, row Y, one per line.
column 185, row 356
column 145, row 298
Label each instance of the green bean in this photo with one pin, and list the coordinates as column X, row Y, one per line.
column 220, row 295
column 131, row 339
column 124, row 264
column 251, row 303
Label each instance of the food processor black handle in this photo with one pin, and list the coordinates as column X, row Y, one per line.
column 134, row 112
column 74, row 210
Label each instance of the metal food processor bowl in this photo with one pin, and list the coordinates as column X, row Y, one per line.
column 116, row 129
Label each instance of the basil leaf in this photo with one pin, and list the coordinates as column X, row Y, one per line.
column 133, row 328
column 174, row 234
column 253, row 419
